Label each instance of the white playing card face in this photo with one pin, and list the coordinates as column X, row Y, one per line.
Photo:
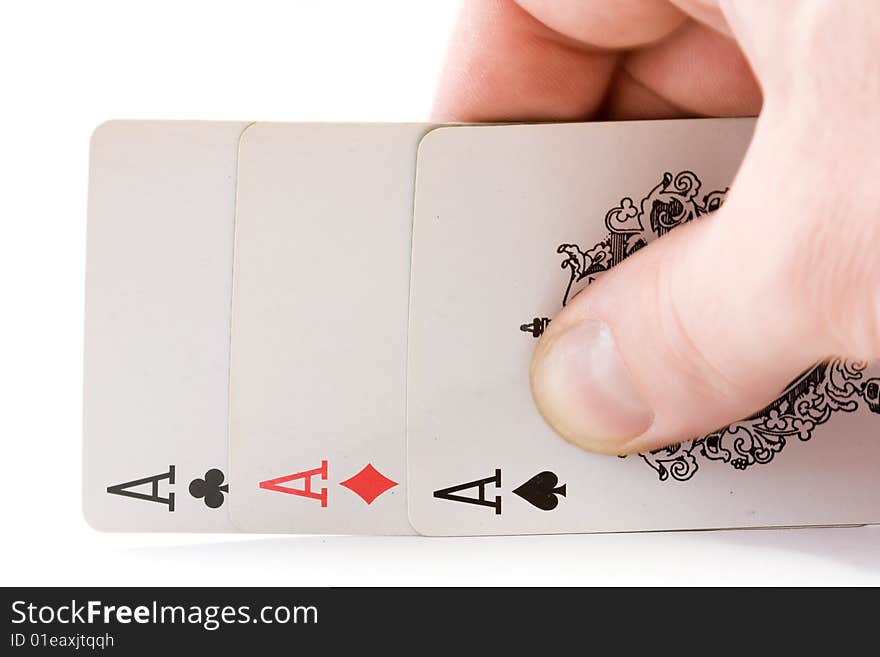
column 158, row 292
column 510, row 221
column 317, row 404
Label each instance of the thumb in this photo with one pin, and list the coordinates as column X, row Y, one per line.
column 708, row 324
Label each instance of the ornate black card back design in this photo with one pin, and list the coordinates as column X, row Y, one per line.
column 807, row 402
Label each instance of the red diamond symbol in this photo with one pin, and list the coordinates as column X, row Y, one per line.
column 369, row 483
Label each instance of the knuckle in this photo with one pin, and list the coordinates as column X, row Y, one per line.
column 808, row 49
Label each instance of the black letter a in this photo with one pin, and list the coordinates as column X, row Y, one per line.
column 449, row 493
column 123, row 488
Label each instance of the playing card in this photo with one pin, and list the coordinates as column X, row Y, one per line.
column 158, row 291
column 317, row 403
column 510, row 223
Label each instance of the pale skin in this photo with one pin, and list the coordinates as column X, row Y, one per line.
column 710, row 323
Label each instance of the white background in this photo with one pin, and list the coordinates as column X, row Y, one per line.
column 66, row 67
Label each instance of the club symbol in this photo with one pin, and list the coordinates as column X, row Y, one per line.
column 211, row 488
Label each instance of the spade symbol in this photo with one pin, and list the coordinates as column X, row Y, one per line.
column 541, row 490
column 211, row 488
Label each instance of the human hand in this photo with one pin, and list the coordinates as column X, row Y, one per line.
column 720, row 314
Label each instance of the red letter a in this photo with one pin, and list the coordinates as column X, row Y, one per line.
column 306, row 491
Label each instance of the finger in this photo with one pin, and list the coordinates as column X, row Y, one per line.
column 704, row 326
column 615, row 25
column 505, row 65
column 695, row 72
column 631, row 99
column 707, row 12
